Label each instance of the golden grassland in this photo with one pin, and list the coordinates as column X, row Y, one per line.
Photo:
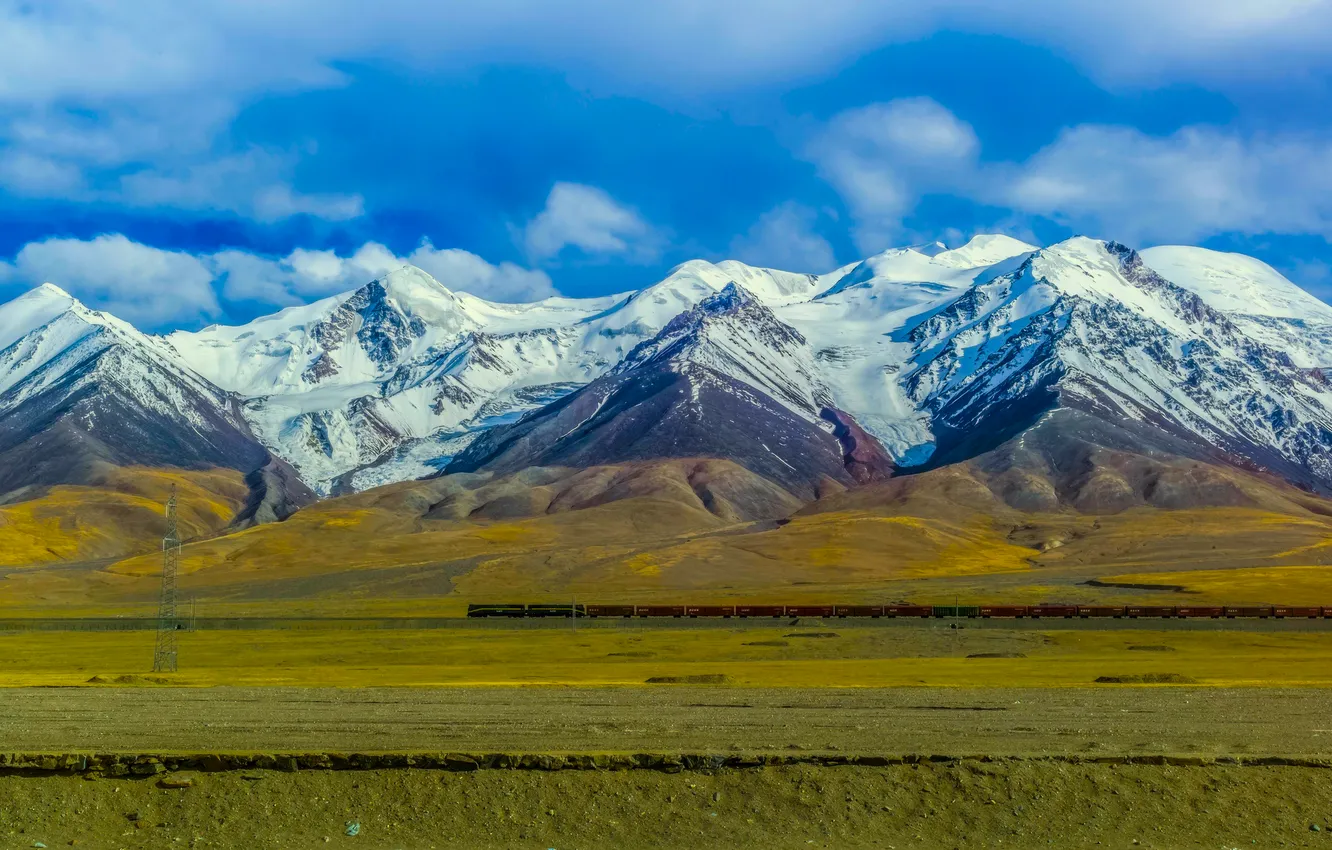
column 374, row 561
column 754, row 656
column 120, row 517
column 643, row 534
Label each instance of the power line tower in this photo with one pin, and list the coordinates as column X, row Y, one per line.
column 164, row 657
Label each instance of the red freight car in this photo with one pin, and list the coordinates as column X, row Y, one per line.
column 1067, row 611
column 1135, row 611
column 1085, row 611
column 1003, row 610
column 1233, row 611
column 610, row 610
column 659, row 610
column 859, row 610
column 1198, row 611
column 810, row 610
column 710, row 610
column 1312, row 613
column 908, row 611
column 760, row 610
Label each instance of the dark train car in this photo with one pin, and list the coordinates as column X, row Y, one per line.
column 988, row 611
column 1085, row 611
column 500, row 610
column 810, row 610
column 659, row 610
column 859, row 610
column 1233, row 611
column 1065, row 611
column 1312, row 612
column 760, row 610
column 1136, row 611
column 1196, row 612
column 709, row 610
column 908, row 611
column 610, row 610
column 955, row 610
column 557, row 609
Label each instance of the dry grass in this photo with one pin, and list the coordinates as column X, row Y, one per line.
column 1294, row 585
column 123, row 516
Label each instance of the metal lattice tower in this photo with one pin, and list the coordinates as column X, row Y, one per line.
column 164, row 657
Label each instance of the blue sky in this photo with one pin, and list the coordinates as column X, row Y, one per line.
column 183, row 167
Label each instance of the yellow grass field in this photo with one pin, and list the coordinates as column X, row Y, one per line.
column 119, row 518
column 931, row 654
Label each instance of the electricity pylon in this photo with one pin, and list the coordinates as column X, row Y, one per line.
column 164, row 656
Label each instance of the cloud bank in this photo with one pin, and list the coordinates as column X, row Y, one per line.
column 155, row 288
column 1113, row 181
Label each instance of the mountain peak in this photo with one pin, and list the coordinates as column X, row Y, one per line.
column 1235, row 282
column 929, row 249
column 409, row 285
column 50, row 290
column 985, row 249
column 733, row 296
column 34, row 308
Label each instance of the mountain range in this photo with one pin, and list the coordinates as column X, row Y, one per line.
column 1078, row 374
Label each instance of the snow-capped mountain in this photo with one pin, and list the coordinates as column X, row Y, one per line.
column 386, row 382
column 724, row 379
column 924, row 354
column 80, row 389
column 1087, row 325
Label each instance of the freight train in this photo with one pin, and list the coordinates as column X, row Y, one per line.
column 1035, row 612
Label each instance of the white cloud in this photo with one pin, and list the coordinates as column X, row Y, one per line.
column 1185, row 187
column 304, row 274
column 465, row 271
column 882, row 157
column 155, row 288
column 1108, row 181
column 88, row 87
column 784, row 238
column 586, row 218
column 140, row 284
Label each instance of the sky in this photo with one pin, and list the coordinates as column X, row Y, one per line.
column 185, row 164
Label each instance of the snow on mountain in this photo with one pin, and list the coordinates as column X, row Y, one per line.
column 1254, row 295
column 1085, row 324
column 1234, row 283
column 394, row 376
column 723, row 379
column 855, row 328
